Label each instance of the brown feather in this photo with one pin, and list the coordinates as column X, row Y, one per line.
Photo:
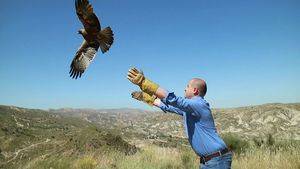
column 86, row 15
column 84, row 56
column 105, row 39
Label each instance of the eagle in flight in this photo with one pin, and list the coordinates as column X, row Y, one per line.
column 93, row 36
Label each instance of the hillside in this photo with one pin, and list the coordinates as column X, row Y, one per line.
column 28, row 135
column 280, row 120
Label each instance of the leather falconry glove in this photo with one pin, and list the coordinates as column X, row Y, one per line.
column 137, row 77
column 144, row 97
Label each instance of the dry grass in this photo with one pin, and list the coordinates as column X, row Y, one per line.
column 151, row 157
column 154, row 157
column 264, row 158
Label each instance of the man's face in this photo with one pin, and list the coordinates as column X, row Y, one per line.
column 189, row 90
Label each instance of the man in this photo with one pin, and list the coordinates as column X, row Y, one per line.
column 198, row 120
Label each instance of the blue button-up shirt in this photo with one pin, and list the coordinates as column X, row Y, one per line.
column 198, row 121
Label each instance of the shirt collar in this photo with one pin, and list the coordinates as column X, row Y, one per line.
column 195, row 97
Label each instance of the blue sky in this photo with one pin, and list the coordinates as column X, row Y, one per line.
column 247, row 51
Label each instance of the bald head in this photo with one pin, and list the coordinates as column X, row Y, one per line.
column 200, row 84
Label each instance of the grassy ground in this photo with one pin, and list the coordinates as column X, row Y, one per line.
column 268, row 159
column 154, row 157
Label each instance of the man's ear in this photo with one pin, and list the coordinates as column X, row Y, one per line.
column 196, row 91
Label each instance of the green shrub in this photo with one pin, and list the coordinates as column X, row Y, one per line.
column 270, row 140
column 258, row 142
column 235, row 143
column 87, row 162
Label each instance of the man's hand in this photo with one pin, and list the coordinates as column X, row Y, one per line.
column 137, row 77
column 144, row 97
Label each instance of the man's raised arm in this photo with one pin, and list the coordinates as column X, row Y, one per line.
column 137, row 77
column 154, row 101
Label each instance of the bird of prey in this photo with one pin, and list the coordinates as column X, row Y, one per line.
column 93, row 36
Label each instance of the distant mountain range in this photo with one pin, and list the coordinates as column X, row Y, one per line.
column 84, row 110
column 280, row 120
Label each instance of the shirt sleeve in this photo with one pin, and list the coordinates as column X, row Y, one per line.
column 185, row 105
column 171, row 109
column 178, row 102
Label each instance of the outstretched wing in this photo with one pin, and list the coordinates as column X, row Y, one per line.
column 84, row 56
column 86, row 15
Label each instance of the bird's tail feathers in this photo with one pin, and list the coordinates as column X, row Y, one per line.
column 105, row 39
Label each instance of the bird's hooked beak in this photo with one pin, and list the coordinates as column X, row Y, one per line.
column 79, row 32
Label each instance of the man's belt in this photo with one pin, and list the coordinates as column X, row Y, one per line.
column 204, row 159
